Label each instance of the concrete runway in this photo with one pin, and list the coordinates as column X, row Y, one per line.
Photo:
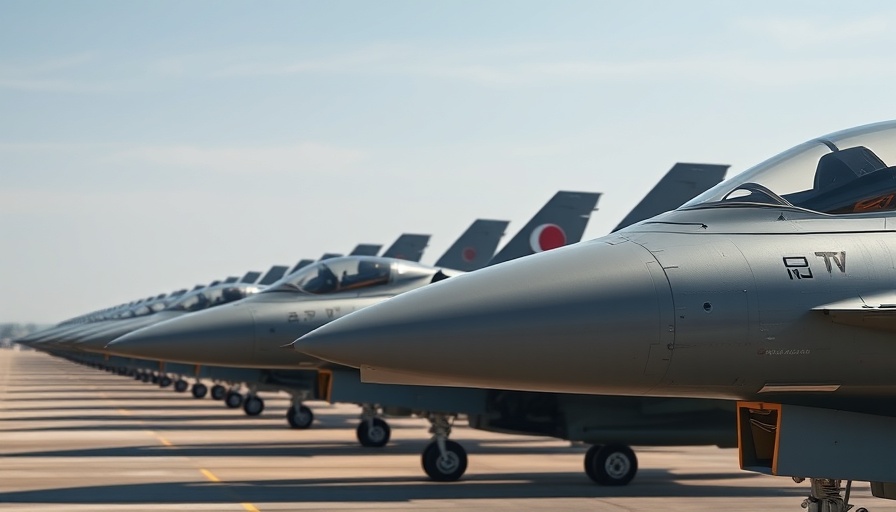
column 75, row 438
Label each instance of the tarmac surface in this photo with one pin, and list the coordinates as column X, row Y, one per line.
column 75, row 438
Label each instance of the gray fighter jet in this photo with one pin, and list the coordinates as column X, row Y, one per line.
column 561, row 416
column 773, row 289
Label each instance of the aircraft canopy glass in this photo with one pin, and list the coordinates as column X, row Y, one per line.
column 212, row 296
column 851, row 171
column 337, row 275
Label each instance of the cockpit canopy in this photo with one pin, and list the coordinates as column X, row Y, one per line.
column 213, row 296
column 348, row 274
column 851, row 171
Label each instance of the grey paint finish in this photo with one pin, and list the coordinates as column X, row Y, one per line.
column 366, row 250
column 272, row 275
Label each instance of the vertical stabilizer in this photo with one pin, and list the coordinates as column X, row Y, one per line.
column 301, row 264
column 408, row 247
column 272, row 275
column 366, row 250
column 475, row 247
column 250, row 277
column 560, row 222
column 682, row 183
column 329, row 256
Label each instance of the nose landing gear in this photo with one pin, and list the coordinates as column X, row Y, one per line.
column 443, row 460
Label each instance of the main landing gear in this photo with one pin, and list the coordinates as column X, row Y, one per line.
column 443, row 460
column 826, row 495
column 372, row 432
column 233, row 399
column 612, row 464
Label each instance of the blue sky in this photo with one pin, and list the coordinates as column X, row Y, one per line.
column 147, row 146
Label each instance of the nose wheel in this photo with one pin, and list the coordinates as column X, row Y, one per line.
column 180, row 385
column 299, row 416
column 373, row 433
column 199, row 390
column 233, row 399
column 444, row 465
column 611, row 465
column 253, row 405
column 443, row 460
column 218, row 392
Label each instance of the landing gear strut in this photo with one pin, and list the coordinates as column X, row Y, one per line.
column 373, row 432
column 613, row 464
column 825, row 496
column 443, row 460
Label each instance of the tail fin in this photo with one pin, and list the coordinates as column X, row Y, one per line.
column 682, row 183
column 329, row 256
column 216, row 282
column 301, row 264
column 366, row 250
column 475, row 247
column 408, row 247
column 250, row 277
column 561, row 221
column 275, row 273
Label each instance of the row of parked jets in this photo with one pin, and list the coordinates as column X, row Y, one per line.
column 732, row 319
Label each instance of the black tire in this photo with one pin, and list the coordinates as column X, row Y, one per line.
column 199, row 390
column 444, row 469
column 300, row 418
column 589, row 457
column 218, row 392
column 611, row 465
column 164, row 381
column 138, row 376
column 375, row 435
column 253, row 405
column 181, row 385
column 233, row 399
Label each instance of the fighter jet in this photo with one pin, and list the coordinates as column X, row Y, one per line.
column 250, row 334
column 566, row 416
column 773, row 289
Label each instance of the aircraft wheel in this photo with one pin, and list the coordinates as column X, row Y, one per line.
column 300, row 418
column 154, row 379
column 375, row 435
column 181, row 385
column 138, row 376
column 613, row 464
column 199, row 390
column 448, row 468
column 233, row 399
column 218, row 392
column 164, row 381
column 253, row 405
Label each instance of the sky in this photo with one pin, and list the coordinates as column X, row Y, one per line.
column 151, row 146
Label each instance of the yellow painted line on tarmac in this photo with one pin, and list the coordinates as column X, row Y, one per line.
column 212, row 478
column 164, row 441
column 208, row 474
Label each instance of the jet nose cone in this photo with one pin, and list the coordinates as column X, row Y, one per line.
column 203, row 337
column 557, row 321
